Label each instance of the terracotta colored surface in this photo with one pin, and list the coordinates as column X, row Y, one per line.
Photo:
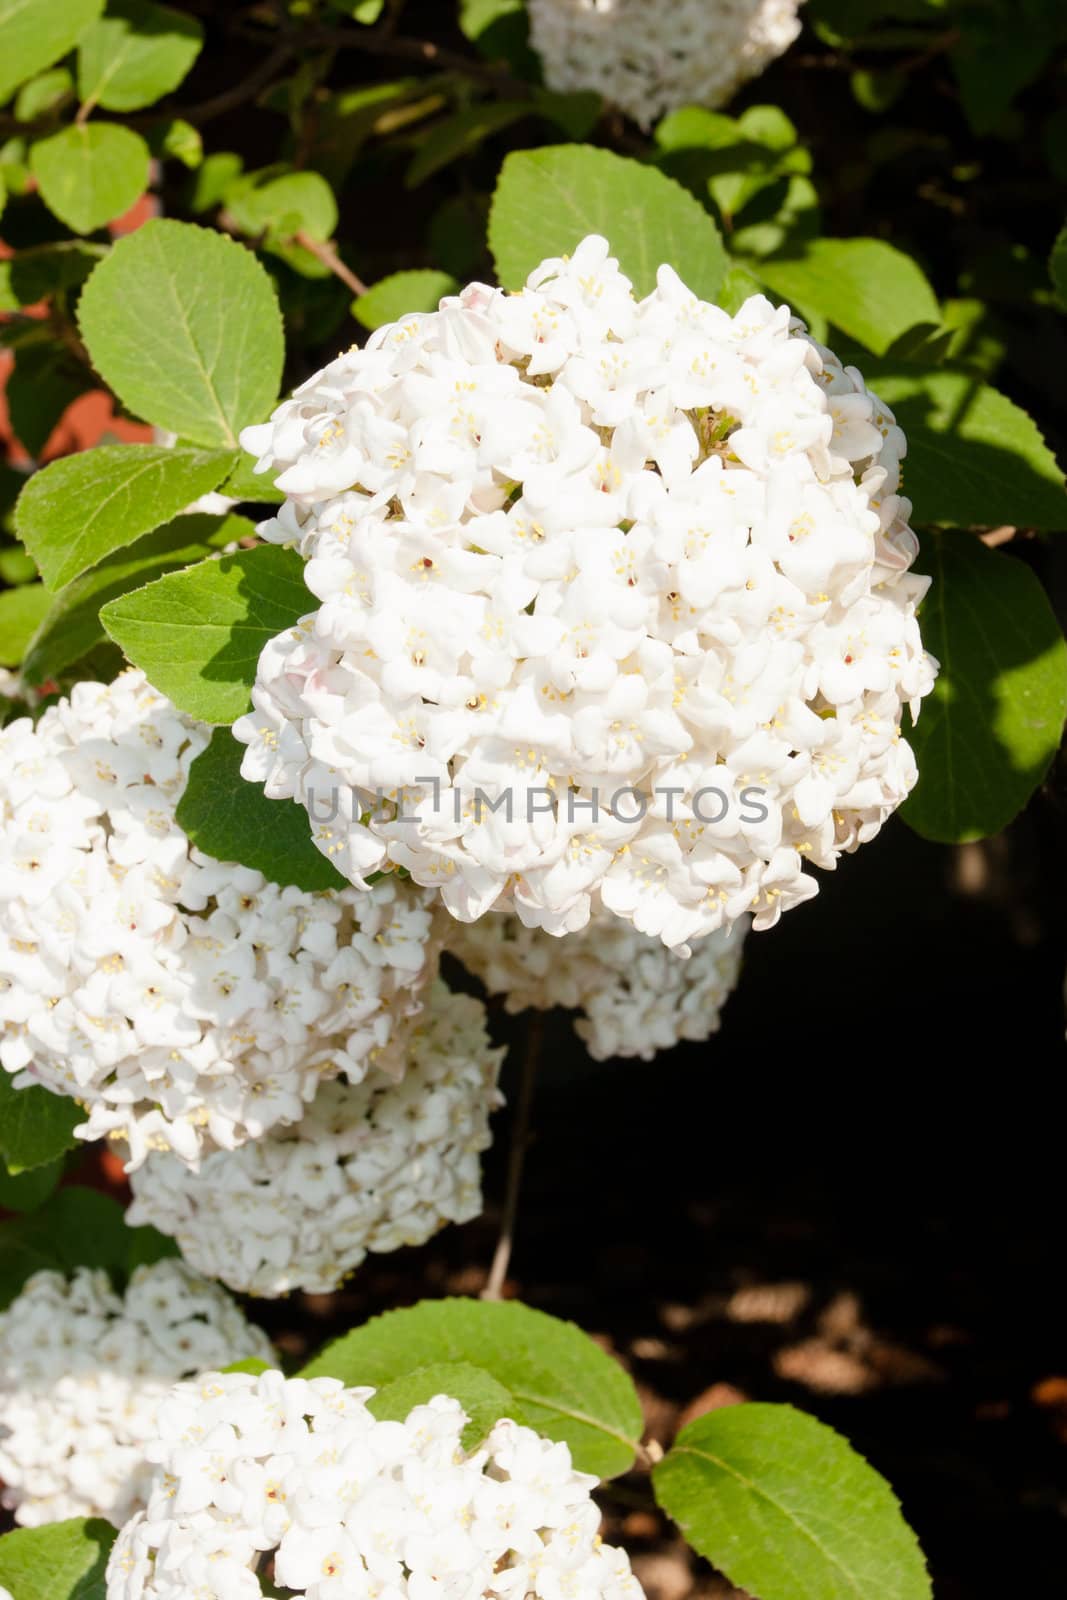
column 90, row 419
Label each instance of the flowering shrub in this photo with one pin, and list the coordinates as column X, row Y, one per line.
column 555, row 508
column 367, row 1168
column 82, row 1373
column 635, row 997
column 302, row 1472
column 671, row 566
column 177, row 997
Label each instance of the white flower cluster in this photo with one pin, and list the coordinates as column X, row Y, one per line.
column 82, row 1372
column 635, row 996
column 369, row 1168
column 615, row 608
column 299, row 1473
column 187, row 1003
column 648, row 58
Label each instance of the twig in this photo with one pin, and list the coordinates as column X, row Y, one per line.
column 377, row 43
column 248, row 87
column 520, row 1139
column 329, row 258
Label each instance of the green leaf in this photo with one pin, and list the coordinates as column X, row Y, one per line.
column 786, row 1508
column 146, row 1246
column 25, row 1191
column 21, row 611
column 36, row 1126
column 71, row 627
column 869, row 290
column 79, row 509
column 214, row 179
column 401, row 293
column 500, row 29
column 198, row 634
column 974, row 457
column 43, row 94
column 1057, row 266
column 483, row 1399
column 16, row 567
column 476, row 17
column 244, row 483
column 90, row 174
column 286, row 204
column 177, row 140
column 733, row 158
column 781, row 215
column 548, row 200
column 993, row 60
column 977, row 343
column 77, row 1227
column 250, row 1364
column 232, row 820
column 60, row 1561
column 738, row 286
column 988, row 732
column 576, row 112
column 459, row 134
column 35, row 33
column 49, row 269
column 135, row 54
column 184, row 325
column 365, row 11
column 566, row 1386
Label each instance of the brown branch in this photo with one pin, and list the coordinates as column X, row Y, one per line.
column 247, row 89
column 520, row 1139
column 425, row 52
column 328, row 256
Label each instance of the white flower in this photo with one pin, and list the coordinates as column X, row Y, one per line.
column 82, row 1372
column 299, row 1473
column 615, row 611
column 635, row 997
column 368, row 1168
column 651, row 56
column 187, row 1003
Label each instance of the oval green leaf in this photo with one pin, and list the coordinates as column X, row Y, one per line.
column 36, row 1126
column 135, row 54
column 869, row 290
column 71, row 626
column 483, row 1399
column 35, row 33
column 90, row 174
column 84, row 507
column 787, row 1509
column 975, row 459
column 61, row 1561
column 184, row 325
column 988, row 732
column 400, row 294
column 197, row 634
column 21, row 611
column 548, row 200
column 567, row 1388
column 233, row 820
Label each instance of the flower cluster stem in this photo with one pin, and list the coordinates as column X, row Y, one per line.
column 520, row 1139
